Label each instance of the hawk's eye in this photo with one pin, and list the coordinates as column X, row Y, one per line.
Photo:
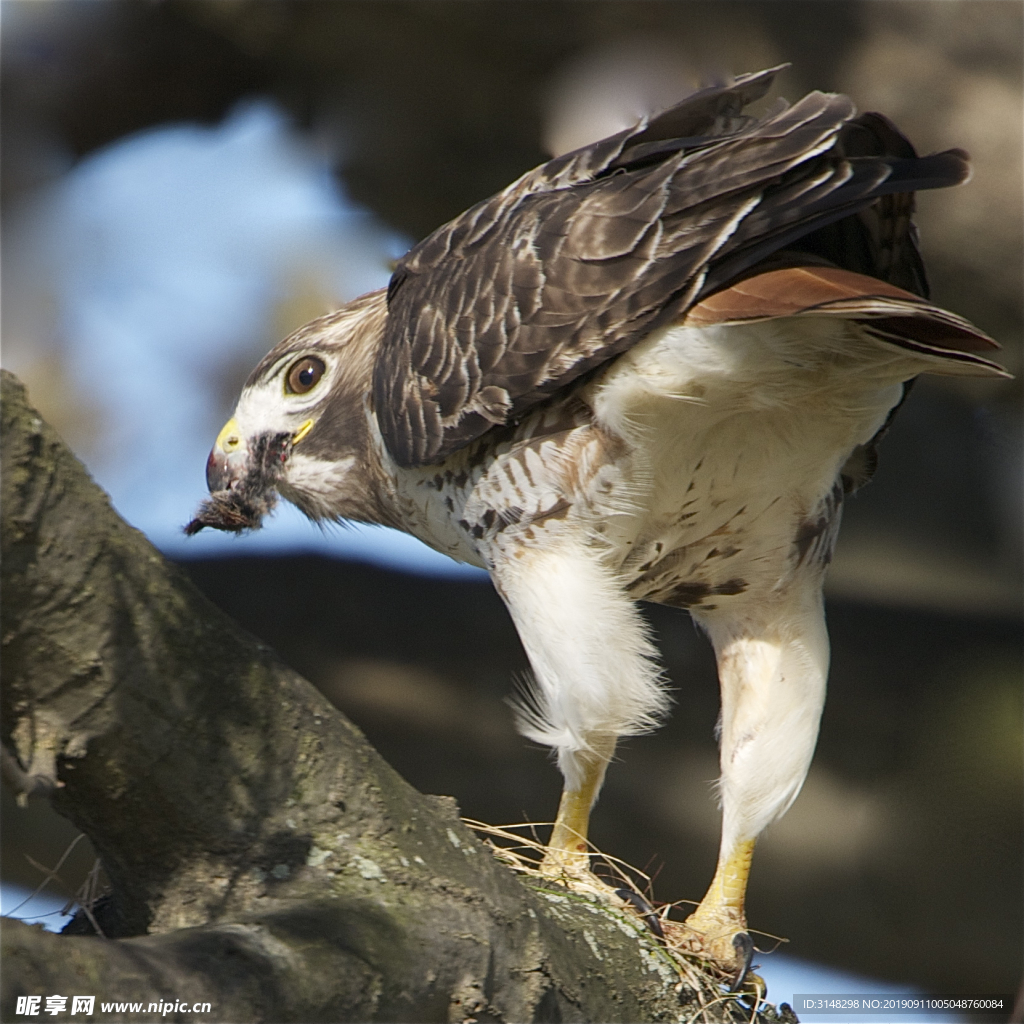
column 305, row 375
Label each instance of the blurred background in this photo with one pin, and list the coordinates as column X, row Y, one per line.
column 185, row 181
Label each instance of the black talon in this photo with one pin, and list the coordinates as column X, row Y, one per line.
column 744, row 946
column 647, row 912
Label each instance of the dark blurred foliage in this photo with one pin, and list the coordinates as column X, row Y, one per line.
column 456, row 86
column 902, row 858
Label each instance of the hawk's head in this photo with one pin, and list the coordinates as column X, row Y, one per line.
column 301, row 428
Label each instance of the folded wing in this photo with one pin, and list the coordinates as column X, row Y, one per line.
column 582, row 257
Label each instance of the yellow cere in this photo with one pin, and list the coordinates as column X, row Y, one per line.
column 229, row 438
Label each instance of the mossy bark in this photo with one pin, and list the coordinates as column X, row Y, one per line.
column 262, row 856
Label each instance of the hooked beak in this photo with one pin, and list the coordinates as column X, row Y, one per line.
column 243, row 478
column 229, row 458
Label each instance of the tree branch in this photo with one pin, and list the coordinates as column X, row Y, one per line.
column 263, row 857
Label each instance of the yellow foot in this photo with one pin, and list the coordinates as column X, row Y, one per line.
column 571, row 868
column 721, row 938
column 567, row 864
column 717, row 929
column 568, row 852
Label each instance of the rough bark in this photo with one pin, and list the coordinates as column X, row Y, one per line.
column 262, row 856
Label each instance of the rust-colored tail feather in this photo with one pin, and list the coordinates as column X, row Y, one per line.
column 891, row 314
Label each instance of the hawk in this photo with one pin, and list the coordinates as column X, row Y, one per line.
column 650, row 369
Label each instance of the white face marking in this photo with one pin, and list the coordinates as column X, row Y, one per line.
column 319, row 489
column 268, row 406
column 316, row 486
column 318, row 477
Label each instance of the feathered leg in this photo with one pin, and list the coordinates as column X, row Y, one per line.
column 772, row 667
column 595, row 674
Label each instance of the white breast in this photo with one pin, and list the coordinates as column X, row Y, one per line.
column 732, row 438
column 738, row 434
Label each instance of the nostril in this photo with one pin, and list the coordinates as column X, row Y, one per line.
column 230, row 443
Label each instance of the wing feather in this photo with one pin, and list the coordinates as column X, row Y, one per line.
column 583, row 256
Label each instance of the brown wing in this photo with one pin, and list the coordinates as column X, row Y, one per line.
column 584, row 256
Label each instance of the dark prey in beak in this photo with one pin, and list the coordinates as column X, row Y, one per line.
column 246, row 501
